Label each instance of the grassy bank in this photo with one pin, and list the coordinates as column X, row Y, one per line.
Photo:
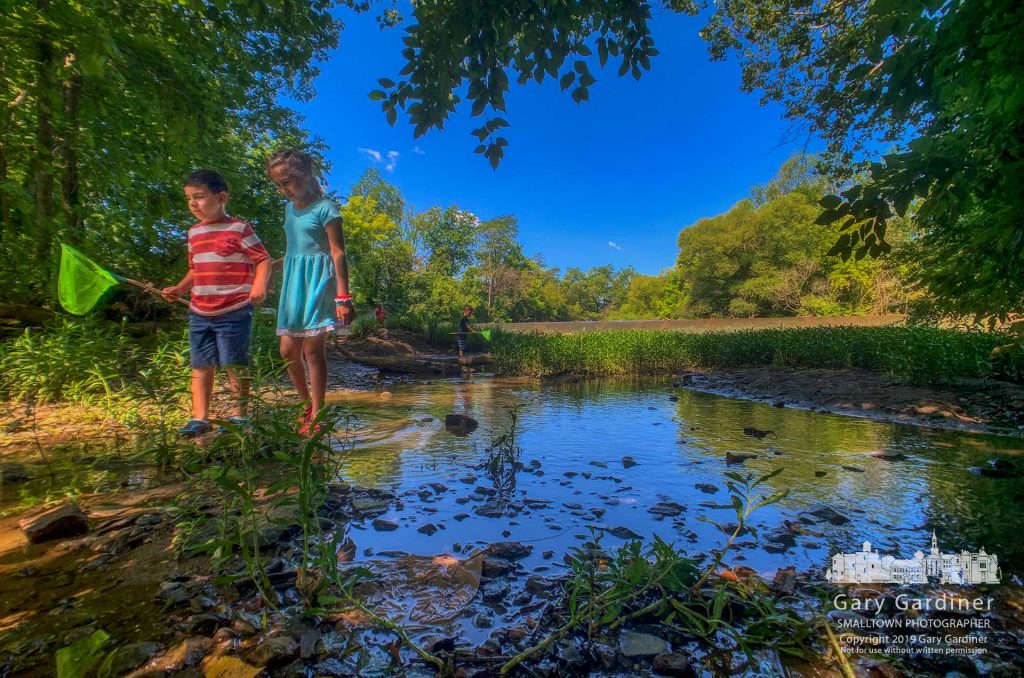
column 921, row 355
column 95, row 362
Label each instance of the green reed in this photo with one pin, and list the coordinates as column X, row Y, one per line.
column 915, row 354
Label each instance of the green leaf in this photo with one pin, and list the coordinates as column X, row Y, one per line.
column 378, row 95
column 827, row 217
column 386, row 84
column 75, row 660
column 831, row 202
column 842, row 247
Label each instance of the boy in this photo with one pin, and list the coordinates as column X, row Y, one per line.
column 464, row 329
column 228, row 272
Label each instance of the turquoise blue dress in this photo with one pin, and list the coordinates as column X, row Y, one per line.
column 309, row 286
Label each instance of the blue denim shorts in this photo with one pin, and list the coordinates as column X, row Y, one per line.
column 220, row 340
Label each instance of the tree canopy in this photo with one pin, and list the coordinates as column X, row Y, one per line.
column 935, row 83
column 108, row 105
column 939, row 82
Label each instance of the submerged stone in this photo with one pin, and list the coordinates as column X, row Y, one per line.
column 127, row 657
column 666, row 508
column 369, row 505
column 509, row 550
column 12, row 473
column 460, row 424
column 188, row 653
column 829, row 515
column 623, row 532
column 634, row 644
column 274, row 650
column 673, row 664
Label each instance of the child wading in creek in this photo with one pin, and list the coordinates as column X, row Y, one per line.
column 315, row 296
column 464, row 329
column 228, row 272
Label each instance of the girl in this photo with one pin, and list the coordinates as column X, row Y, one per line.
column 315, row 270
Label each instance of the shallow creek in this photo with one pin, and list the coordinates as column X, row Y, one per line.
column 890, row 485
column 631, row 458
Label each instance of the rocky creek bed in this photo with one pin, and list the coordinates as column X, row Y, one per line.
column 477, row 569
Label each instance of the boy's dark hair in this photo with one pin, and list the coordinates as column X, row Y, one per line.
column 208, row 178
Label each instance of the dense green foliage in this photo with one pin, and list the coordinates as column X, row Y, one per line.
column 97, row 362
column 916, row 354
column 109, row 104
column 106, row 106
column 767, row 256
column 937, row 79
column 937, row 82
column 423, row 266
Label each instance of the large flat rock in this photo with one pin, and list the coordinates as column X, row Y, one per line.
column 64, row 521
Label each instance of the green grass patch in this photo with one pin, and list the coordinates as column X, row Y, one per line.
column 87, row 360
column 916, row 354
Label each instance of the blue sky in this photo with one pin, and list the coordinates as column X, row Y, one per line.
column 610, row 181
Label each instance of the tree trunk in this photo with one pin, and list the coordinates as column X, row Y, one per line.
column 42, row 173
column 69, row 151
column 5, row 122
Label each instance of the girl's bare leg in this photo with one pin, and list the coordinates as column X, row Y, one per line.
column 291, row 351
column 314, row 350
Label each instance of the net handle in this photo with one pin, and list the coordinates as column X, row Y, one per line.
column 148, row 288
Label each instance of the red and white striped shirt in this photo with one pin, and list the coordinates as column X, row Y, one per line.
column 223, row 257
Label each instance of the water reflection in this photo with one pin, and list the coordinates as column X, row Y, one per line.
column 892, row 484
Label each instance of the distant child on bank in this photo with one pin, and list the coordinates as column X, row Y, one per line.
column 315, row 297
column 380, row 314
column 464, row 329
column 228, row 272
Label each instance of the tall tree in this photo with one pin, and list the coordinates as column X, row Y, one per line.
column 107, row 105
column 939, row 80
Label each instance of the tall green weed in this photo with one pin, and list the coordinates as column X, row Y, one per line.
column 70, row 360
column 914, row 354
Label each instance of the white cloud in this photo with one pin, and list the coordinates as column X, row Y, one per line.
column 614, row 245
column 390, row 159
column 370, row 153
column 418, row 151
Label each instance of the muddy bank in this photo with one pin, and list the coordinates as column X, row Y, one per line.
column 976, row 406
column 396, row 352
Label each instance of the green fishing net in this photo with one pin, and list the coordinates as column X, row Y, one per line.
column 486, row 334
column 81, row 284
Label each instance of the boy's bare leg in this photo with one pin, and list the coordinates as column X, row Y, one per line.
column 202, row 391
column 314, row 350
column 291, row 351
column 240, row 381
